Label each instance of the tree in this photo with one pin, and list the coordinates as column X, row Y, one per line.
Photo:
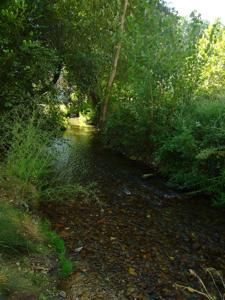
column 115, row 64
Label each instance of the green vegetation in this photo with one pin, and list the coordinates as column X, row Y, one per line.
column 19, row 233
column 65, row 265
column 152, row 81
column 171, row 99
column 23, row 236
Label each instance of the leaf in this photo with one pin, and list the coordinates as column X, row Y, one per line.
column 132, row 271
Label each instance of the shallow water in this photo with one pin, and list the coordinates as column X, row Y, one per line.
column 91, row 162
column 142, row 239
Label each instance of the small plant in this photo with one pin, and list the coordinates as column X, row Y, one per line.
column 215, row 289
column 65, row 265
column 71, row 192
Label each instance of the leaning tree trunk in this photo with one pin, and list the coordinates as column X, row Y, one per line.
column 115, row 64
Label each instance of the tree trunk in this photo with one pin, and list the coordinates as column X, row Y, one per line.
column 114, row 68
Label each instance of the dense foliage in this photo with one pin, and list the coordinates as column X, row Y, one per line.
column 168, row 90
column 151, row 80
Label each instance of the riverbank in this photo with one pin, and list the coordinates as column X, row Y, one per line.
column 33, row 257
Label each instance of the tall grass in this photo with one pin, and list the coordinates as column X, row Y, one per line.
column 28, row 158
column 24, row 176
column 24, row 171
column 19, row 233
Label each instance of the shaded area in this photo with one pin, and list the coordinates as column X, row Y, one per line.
column 142, row 239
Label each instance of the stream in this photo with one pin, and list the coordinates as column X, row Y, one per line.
column 134, row 238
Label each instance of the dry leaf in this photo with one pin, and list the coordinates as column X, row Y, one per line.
column 132, row 271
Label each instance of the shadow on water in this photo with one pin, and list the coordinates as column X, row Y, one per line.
column 143, row 240
column 90, row 161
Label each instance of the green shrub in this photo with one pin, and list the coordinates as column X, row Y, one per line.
column 193, row 154
column 53, row 118
column 128, row 128
column 186, row 141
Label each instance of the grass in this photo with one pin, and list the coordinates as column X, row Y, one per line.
column 19, row 280
column 214, row 289
column 26, row 166
column 28, row 158
column 24, row 251
column 20, row 233
column 13, row 280
column 28, row 176
column 65, row 265
column 24, row 239
column 28, row 246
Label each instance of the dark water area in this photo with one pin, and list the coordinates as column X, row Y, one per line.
column 141, row 238
column 92, row 162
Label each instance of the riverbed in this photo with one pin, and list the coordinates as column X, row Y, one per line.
column 136, row 239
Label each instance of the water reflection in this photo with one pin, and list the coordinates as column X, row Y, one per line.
column 84, row 160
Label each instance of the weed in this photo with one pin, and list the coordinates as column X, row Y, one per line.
column 215, row 289
column 65, row 265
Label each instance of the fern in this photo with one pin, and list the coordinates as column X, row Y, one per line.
column 206, row 153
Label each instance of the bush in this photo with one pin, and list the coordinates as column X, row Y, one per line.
column 128, row 128
column 186, row 141
column 193, row 153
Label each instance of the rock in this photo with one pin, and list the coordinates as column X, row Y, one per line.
column 62, row 294
column 126, row 191
column 146, row 176
column 77, row 250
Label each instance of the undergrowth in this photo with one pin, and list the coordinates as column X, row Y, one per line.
column 185, row 142
column 25, row 182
